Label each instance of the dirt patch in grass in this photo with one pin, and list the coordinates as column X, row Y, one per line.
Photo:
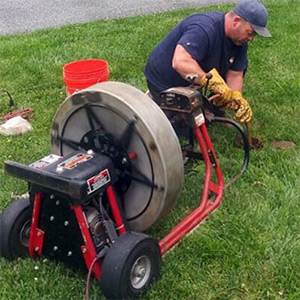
column 283, row 144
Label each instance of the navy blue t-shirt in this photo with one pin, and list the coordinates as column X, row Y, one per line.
column 203, row 37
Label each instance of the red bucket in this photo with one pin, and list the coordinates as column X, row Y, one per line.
column 81, row 74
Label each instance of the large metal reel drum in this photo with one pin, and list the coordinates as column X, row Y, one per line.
column 134, row 123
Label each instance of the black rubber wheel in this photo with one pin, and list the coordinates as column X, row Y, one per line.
column 129, row 267
column 15, row 228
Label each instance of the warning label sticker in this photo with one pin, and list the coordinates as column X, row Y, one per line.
column 98, row 181
column 46, row 161
column 199, row 120
column 74, row 161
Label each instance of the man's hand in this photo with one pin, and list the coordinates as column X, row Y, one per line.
column 243, row 109
column 228, row 99
column 217, row 85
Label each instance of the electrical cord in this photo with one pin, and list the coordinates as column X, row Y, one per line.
column 11, row 101
column 88, row 279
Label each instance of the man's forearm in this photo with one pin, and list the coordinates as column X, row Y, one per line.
column 235, row 80
column 184, row 64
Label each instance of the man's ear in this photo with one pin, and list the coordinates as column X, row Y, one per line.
column 236, row 21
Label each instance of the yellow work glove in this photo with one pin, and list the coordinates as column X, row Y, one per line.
column 217, row 85
column 228, row 98
column 243, row 111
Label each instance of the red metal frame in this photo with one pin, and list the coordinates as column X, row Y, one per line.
column 36, row 237
column 88, row 249
column 207, row 204
column 115, row 209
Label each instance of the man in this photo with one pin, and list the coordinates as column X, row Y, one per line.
column 212, row 42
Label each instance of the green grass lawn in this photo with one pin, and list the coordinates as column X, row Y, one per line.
column 250, row 247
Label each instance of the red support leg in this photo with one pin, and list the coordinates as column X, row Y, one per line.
column 88, row 249
column 115, row 209
column 207, row 204
column 36, row 237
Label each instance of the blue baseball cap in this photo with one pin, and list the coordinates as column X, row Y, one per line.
column 255, row 13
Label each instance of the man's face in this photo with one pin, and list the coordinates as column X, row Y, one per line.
column 242, row 32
